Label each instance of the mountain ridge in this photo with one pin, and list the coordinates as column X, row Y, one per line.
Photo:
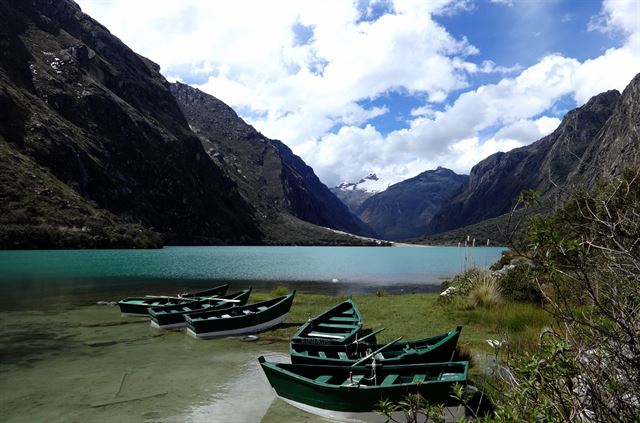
column 270, row 176
column 353, row 194
column 403, row 210
column 495, row 182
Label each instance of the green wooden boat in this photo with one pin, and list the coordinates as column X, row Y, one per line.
column 139, row 306
column 352, row 393
column 337, row 326
column 250, row 318
column 172, row 316
column 435, row 349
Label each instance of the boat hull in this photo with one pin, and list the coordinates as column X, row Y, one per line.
column 172, row 317
column 239, row 320
column 139, row 306
column 435, row 349
column 355, row 398
column 239, row 331
column 451, row 414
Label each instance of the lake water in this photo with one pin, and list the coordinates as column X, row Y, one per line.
column 334, row 270
column 63, row 358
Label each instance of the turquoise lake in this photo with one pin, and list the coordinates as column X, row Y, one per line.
column 333, row 270
column 67, row 354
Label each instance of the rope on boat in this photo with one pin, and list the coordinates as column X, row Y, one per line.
column 374, row 373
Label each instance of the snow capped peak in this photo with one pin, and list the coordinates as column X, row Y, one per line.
column 346, row 186
column 370, row 183
column 369, row 177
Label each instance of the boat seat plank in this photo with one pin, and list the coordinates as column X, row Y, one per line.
column 448, row 376
column 343, row 319
column 343, row 355
column 323, row 378
column 321, row 354
column 324, row 335
column 388, row 381
column 263, row 308
column 419, row 378
column 355, row 380
column 335, row 326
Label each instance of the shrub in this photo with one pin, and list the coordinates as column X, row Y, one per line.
column 519, row 284
column 587, row 367
column 280, row 291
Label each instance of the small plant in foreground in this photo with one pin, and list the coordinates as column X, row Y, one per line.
column 280, row 291
column 414, row 408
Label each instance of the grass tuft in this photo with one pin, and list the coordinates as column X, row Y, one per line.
column 486, row 293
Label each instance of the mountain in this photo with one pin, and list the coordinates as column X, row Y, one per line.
column 495, row 183
column 96, row 151
column 593, row 143
column 618, row 144
column 353, row 194
column 404, row 209
column 93, row 127
column 267, row 173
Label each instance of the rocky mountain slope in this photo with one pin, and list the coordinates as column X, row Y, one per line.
column 83, row 109
column 495, row 183
column 96, row 151
column 267, row 173
column 594, row 142
column 618, row 144
column 353, row 194
column 404, row 209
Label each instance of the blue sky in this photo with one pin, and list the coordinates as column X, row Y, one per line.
column 390, row 86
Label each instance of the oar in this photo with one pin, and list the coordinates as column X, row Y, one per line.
column 368, row 356
column 164, row 296
column 365, row 337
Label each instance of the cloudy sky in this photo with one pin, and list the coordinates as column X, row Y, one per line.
column 394, row 87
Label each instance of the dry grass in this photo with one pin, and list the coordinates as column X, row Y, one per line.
column 486, row 292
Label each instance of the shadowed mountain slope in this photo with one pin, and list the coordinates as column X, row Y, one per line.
column 83, row 109
column 495, row 183
column 268, row 174
column 594, row 142
column 404, row 209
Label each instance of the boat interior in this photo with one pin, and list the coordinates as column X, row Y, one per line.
column 235, row 311
column 393, row 375
column 338, row 326
column 355, row 351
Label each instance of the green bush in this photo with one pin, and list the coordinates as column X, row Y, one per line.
column 518, row 284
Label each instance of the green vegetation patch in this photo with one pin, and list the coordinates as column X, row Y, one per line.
column 414, row 316
column 39, row 211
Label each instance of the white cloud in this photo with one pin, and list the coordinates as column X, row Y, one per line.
column 508, row 3
column 303, row 72
column 617, row 15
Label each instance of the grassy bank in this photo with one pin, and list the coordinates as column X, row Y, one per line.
column 420, row 315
